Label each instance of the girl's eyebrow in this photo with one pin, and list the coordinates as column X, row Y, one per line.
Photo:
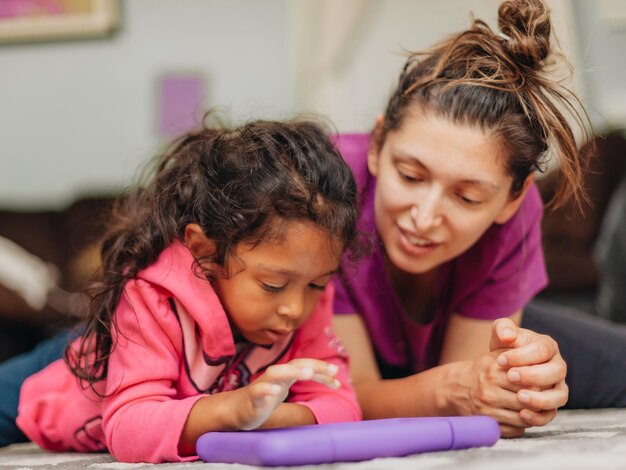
column 287, row 272
column 413, row 160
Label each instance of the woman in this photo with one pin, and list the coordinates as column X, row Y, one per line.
column 447, row 191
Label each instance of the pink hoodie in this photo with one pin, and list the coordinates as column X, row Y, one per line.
column 173, row 345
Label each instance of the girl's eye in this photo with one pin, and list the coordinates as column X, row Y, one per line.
column 272, row 289
column 317, row 287
column 468, row 201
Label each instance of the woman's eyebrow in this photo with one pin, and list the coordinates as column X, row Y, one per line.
column 413, row 160
column 482, row 184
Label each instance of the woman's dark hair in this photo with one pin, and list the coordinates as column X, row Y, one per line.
column 499, row 83
column 239, row 185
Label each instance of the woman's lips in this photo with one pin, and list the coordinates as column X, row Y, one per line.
column 415, row 244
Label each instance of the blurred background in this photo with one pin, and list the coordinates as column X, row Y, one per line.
column 89, row 89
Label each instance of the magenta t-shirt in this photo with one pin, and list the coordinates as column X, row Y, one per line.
column 495, row 278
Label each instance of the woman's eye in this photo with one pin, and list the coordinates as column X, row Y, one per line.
column 271, row 288
column 409, row 178
column 317, row 287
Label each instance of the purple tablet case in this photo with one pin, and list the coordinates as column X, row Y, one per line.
column 347, row 442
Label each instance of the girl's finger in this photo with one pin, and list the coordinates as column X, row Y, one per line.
column 540, row 375
column 327, row 379
column 545, row 400
column 287, row 373
column 259, row 391
column 319, row 367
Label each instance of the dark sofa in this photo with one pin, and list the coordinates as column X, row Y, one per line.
column 69, row 239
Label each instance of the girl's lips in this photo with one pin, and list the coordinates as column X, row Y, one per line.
column 276, row 335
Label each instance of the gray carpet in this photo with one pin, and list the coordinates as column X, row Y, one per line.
column 586, row 439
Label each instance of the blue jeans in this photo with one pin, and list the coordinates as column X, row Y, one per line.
column 13, row 372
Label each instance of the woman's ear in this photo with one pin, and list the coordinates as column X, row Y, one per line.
column 198, row 243
column 373, row 153
column 514, row 204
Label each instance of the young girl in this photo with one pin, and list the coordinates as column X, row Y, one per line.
column 446, row 187
column 214, row 309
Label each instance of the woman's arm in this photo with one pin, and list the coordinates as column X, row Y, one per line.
column 475, row 386
column 535, row 369
column 417, row 395
column 468, row 338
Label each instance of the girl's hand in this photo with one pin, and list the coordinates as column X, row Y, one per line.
column 259, row 399
column 535, row 366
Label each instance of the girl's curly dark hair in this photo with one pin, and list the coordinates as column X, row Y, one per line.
column 238, row 185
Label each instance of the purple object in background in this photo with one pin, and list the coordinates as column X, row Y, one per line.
column 181, row 103
column 347, row 442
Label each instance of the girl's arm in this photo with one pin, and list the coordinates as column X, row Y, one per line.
column 259, row 404
column 318, row 389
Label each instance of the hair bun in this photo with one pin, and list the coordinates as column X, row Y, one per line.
column 526, row 25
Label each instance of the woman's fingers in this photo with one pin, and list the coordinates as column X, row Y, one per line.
column 511, row 431
column 539, row 349
column 503, row 333
column 544, row 400
column 540, row 375
column 537, row 418
column 506, row 417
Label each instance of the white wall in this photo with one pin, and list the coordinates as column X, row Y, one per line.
column 78, row 117
column 601, row 40
column 354, row 85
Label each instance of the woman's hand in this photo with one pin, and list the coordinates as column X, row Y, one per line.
column 259, row 399
column 534, row 366
column 481, row 387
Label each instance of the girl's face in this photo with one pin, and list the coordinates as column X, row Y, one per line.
column 440, row 186
column 273, row 287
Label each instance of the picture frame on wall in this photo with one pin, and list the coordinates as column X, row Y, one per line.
column 53, row 20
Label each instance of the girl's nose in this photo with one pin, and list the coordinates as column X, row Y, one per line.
column 292, row 308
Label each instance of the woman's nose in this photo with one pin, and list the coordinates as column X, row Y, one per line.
column 427, row 214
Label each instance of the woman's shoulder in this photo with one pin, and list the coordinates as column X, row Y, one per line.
column 353, row 148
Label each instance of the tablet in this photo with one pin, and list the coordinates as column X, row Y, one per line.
column 347, row 442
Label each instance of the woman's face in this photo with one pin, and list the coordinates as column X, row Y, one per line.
column 440, row 186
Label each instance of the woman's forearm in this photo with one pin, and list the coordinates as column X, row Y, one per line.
column 435, row 392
